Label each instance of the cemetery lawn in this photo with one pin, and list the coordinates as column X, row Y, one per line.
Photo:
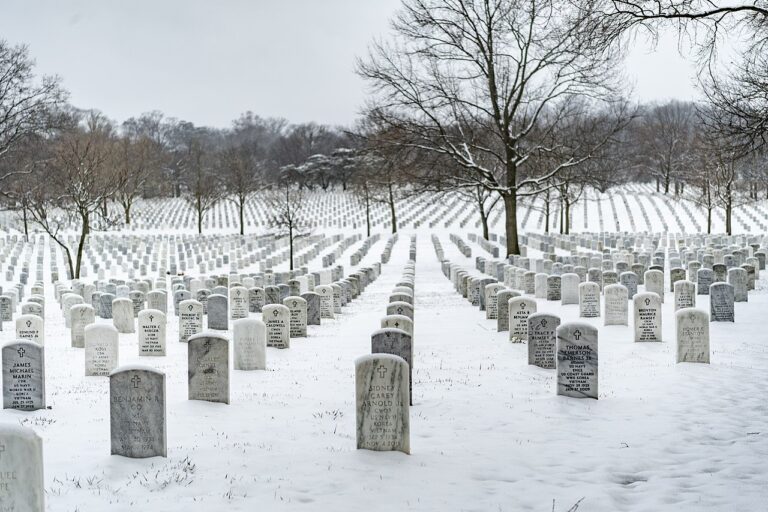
column 488, row 432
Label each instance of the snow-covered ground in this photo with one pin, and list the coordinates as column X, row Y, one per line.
column 488, row 432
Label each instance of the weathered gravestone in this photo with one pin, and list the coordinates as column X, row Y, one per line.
column 542, row 339
column 629, row 281
column 554, row 288
column 101, row 350
column 250, row 340
column 218, row 318
column 685, row 294
column 502, row 316
column 83, row 315
column 30, row 327
column 137, row 412
column 577, row 360
column 569, row 288
column 737, row 277
column 151, row 332
column 313, row 307
column 616, row 307
column 520, row 308
column 255, row 299
column 399, row 343
column 21, row 469
column 654, row 283
column 647, row 308
column 23, row 377
column 491, row 300
column 382, row 403
column 277, row 318
column 208, row 367
column 692, row 336
column 589, row 300
column 190, row 319
column 122, row 315
column 400, row 308
column 721, row 300
column 298, row 310
column 398, row 322
column 705, row 277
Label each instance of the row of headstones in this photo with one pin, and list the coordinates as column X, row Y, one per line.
column 384, row 379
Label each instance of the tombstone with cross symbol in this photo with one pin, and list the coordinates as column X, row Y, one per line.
column 30, row 327
column 151, row 332
column 208, row 367
column 577, row 360
column 542, row 339
column 382, row 401
column 398, row 322
column 190, row 319
column 23, row 376
column 297, row 308
column 519, row 309
column 647, row 309
column 137, row 412
column 398, row 342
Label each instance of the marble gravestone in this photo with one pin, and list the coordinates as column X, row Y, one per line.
column 589, row 300
column 217, row 312
column 398, row 322
column 685, row 294
column 208, row 367
column 721, row 308
column 250, row 344
column 101, row 349
column 629, row 280
column 277, row 318
column 400, row 308
column 502, row 313
column 326, row 300
column 313, row 308
column 255, row 299
column 238, row 296
column 692, row 336
column 151, row 332
column 122, row 315
column 647, row 308
column 520, row 308
column 21, row 469
column 737, row 277
column 23, row 377
column 554, row 291
column 491, row 300
column 30, row 327
column 616, row 307
column 542, row 339
column 569, row 288
column 83, row 315
column 382, row 403
column 397, row 342
column 298, row 310
column 705, row 277
column 577, row 360
column 190, row 319
column 137, row 412
column 654, row 282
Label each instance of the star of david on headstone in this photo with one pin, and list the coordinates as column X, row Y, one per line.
column 382, row 371
column 577, row 334
column 136, row 381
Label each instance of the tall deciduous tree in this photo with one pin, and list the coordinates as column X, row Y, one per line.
column 475, row 80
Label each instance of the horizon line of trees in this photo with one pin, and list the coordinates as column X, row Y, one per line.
column 506, row 102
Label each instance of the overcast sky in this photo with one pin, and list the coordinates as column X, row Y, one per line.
column 207, row 61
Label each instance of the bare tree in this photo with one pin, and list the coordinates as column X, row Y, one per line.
column 203, row 186
column 74, row 183
column 28, row 107
column 474, row 80
column 134, row 160
column 243, row 176
column 288, row 215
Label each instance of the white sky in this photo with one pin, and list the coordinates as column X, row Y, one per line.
column 206, row 61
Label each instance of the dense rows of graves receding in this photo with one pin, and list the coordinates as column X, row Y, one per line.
column 228, row 318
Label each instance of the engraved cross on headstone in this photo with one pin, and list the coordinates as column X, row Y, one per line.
column 577, row 334
column 21, row 351
column 136, row 380
column 207, row 345
column 382, row 371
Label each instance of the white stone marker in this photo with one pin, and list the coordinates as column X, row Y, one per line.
column 21, row 469
column 151, row 332
column 101, row 349
column 647, row 308
column 250, row 344
column 692, row 336
column 577, row 360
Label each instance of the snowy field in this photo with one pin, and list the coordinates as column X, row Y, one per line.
column 488, row 432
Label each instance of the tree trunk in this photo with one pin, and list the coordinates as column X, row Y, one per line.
column 546, row 213
column 510, row 214
column 484, row 221
column 666, row 183
column 709, row 220
column 290, row 243
column 367, row 214
column 392, row 209
column 26, row 222
column 562, row 224
column 83, row 235
column 657, row 184
column 567, row 217
column 127, row 209
column 242, row 215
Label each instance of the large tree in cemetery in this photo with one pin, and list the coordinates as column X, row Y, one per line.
column 30, row 109
column 136, row 158
column 243, row 174
column 72, row 183
column 202, row 184
column 664, row 137
column 476, row 80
